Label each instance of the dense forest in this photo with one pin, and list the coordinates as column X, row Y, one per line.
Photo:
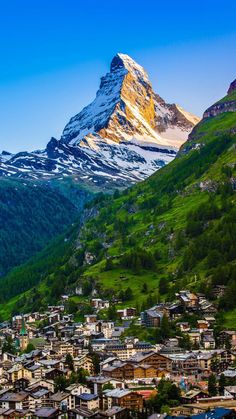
column 31, row 214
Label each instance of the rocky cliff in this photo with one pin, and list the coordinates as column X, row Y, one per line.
column 227, row 104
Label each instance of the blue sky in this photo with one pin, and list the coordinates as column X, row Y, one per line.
column 53, row 53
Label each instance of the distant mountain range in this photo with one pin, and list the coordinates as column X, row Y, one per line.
column 126, row 134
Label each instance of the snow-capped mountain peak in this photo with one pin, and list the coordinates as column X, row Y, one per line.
column 125, row 62
column 123, row 136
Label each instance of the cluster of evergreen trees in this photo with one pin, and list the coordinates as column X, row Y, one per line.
column 30, row 216
column 137, row 259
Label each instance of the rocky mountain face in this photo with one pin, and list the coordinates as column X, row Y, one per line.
column 227, row 104
column 232, row 88
column 127, row 133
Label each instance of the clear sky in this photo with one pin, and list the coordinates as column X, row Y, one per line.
column 53, row 52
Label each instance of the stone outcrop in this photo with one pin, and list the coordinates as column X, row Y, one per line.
column 227, row 104
column 232, row 87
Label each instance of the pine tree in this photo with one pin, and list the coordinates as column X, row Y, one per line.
column 212, row 385
column 163, row 286
column 8, row 346
column 128, row 294
column 108, row 264
column 222, row 384
column 165, row 327
column 30, row 348
column 70, row 361
column 144, row 288
column 61, row 383
column 111, row 312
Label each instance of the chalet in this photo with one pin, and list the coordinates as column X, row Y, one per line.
column 206, row 307
column 151, row 318
column 54, row 318
column 43, row 383
column 127, row 313
column 15, row 413
column 188, row 299
column 106, row 328
column 123, row 398
column 184, row 326
column 76, row 390
column 208, row 341
column 81, row 413
column 21, row 384
column 130, row 371
column 16, row 372
column 90, row 318
column 184, row 363
column 98, row 382
column 64, row 348
column 219, row 357
column 127, row 349
column 35, row 371
column 15, row 401
column 60, row 400
column 88, row 401
column 202, row 325
column 174, row 311
column 228, row 337
column 99, row 304
column 86, row 362
column 193, row 395
column 156, row 360
column 210, row 319
column 195, row 337
column 47, row 412
column 39, row 398
column 115, row 412
column 52, row 373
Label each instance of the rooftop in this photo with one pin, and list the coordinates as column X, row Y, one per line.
column 59, row 396
column 117, row 393
column 13, row 397
column 88, row 396
column 46, row 412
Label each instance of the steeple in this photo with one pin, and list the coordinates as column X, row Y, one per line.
column 23, row 338
column 23, row 331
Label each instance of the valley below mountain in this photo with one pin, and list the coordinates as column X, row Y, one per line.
column 175, row 230
column 126, row 134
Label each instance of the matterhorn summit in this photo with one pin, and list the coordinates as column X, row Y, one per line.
column 127, row 133
column 127, row 109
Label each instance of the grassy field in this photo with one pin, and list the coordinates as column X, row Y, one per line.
column 6, row 309
column 230, row 319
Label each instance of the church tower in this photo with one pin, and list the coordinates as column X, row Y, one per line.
column 24, row 340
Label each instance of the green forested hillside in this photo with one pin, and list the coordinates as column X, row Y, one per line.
column 31, row 214
column 176, row 229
